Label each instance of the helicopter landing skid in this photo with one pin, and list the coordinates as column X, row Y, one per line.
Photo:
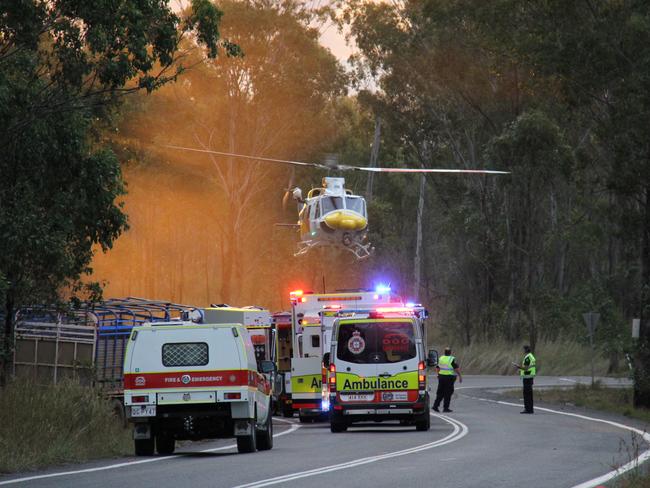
column 359, row 250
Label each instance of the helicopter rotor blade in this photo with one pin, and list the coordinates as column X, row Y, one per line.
column 423, row 170
column 341, row 167
column 285, row 200
column 243, row 156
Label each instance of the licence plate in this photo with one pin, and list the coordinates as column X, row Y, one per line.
column 394, row 396
column 357, row 397
column 143, row 411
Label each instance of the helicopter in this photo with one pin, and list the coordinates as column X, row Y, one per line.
column 332, row 215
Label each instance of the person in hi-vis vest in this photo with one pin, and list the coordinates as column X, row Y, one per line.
column 527, row 371
column 447, row 369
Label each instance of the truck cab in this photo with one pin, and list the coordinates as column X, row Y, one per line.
column 377, row 370
column 184, row 381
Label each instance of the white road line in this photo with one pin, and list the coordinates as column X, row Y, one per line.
column 568, row 379
column 460, row 430
column 644, row 456
column 293, row 428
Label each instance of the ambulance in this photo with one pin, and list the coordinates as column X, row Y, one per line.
column 312, row 338
column 188, row 381
column 377, row 369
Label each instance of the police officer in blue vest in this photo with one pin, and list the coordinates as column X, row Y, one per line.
column 447, row 369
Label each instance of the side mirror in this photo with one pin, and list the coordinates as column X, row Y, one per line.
column 432, row 357
column 267, row 367
column 326, row 359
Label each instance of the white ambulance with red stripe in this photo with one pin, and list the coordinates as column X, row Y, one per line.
column 184, row 381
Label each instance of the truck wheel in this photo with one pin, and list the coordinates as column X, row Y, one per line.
column 287, row 410
column 144, row 447
column 337, row 423
column 337, row 426
column 265, row 437
column 248, row 442
column 424, row 422
column 165, row 445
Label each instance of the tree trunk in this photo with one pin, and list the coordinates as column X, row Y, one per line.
column 642, row 362
column 7, row 343
column 417, row 265
column 374, row 157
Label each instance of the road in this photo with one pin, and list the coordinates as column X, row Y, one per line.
column 482, row 443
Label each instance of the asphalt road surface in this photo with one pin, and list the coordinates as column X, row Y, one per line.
column 485, row 442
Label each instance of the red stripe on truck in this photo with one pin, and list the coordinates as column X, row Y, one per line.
column 235, row 377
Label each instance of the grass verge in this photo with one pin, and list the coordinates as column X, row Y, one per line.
column 553, row 358
column 47, row 425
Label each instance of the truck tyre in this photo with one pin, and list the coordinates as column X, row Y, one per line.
column 287, row 410
column 337, row 423
column 337, row 426
column 165, row 445
column 265, row 436
column 144, row 447
column 247, row 443
column 423, row 423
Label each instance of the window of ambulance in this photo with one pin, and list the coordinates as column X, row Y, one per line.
column 375, row 343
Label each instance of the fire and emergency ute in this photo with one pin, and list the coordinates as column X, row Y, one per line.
column 196, row 381
column 312, row 337
column 377, row 368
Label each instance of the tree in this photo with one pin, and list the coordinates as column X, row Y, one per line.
column 63, row 66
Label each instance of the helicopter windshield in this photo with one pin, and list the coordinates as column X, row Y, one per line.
column 356, row 205
column 329, row 204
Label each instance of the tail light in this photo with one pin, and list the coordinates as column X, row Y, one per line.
column 332, row 378
column 140, row 399
column 422, row 375
column 232, row 396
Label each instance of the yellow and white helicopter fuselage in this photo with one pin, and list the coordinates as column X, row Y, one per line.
column 333, row 216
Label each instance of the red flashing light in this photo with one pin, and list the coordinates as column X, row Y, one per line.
column 232, row 396
column 394, row 309
column 332, row 381
column 332, row 307
column 303, row 299
column 422, row 375
column 296, row 293
column 140, row 399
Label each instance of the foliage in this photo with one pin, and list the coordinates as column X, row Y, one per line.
column 278, row 100
column 45, row 425
column 63, row 65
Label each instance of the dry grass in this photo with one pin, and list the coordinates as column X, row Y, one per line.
column 553, row 358
column 46, row 425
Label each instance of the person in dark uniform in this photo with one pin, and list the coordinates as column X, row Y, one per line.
column 527, row 371
column 447, row 369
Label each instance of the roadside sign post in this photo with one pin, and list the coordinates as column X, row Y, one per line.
column 636, row 328
column 591, row 320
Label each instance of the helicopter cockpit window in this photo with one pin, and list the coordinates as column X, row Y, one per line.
column 328, row 204
column 356, row 205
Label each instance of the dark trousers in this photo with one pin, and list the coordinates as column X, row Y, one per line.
column 528, row 394
column 445, row 390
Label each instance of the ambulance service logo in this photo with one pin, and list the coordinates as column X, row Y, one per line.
column 356, row 344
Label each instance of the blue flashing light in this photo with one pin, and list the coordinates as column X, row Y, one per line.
column 382, row 289
column 410, row 304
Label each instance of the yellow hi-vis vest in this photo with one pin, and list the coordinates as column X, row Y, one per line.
column 444, row 363
column 532, row 370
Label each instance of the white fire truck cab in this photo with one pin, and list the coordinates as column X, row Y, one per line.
column 196, row 381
